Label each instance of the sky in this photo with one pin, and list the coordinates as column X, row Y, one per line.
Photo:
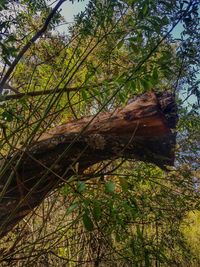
column 69, row 10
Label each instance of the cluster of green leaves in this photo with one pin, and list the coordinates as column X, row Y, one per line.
column 19, row 21
column 138, row 210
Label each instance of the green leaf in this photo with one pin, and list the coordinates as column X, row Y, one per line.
column 65, row 190
column 120, row 44
column 24, row 103
column 84, row 95
column 145, row 9
column 146, row 84
column 146, row 258
column 81, row 186
column 88, row 224
column 155, row 75
column 3, row 5
column 121, row 97
column 165, row 20
column 96, row 211
column 7, row 116
column 10, row 38
column 135, row 48
column 139, row 233
column 123, row 183
column 109, row 187
column 72, row 207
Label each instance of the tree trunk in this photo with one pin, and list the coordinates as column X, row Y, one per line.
column 141, row 130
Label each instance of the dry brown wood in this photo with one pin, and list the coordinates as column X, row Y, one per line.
column 142, row 130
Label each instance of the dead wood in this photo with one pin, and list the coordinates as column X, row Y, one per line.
column 141, row 130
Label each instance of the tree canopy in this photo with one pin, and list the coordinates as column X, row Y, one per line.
column 117, row 210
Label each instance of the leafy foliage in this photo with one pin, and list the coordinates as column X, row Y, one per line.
column 117, row 213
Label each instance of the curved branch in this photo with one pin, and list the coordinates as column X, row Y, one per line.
column 30, row 42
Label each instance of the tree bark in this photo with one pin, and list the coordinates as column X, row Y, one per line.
column 141, row 130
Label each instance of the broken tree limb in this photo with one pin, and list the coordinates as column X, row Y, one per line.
column 142, row 130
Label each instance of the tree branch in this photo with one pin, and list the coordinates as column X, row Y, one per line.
column 48, row 92
column 27, row 46
column 141, row 130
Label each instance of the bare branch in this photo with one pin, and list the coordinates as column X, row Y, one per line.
column 48, row 92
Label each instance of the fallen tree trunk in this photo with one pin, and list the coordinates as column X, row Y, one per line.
column 141, row 130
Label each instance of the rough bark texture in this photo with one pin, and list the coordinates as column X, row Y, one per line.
column 141, row 130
